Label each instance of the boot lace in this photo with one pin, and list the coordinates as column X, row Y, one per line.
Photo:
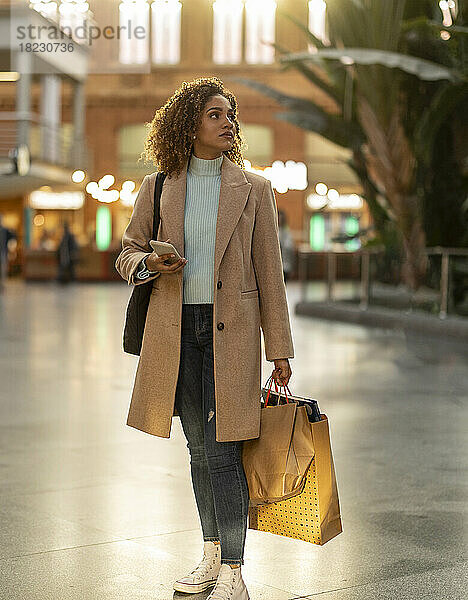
column 223, row 590
column 203, row 568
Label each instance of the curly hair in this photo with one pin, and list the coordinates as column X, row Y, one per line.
column 169, row 141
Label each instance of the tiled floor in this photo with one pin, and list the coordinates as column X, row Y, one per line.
column 90, row 508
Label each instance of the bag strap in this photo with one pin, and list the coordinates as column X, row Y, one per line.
column 270, row 380
column 160, row 177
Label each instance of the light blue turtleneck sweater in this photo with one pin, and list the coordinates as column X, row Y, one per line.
column 201, row 212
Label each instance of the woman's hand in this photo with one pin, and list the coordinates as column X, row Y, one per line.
column 282, row 371
column 156, row 262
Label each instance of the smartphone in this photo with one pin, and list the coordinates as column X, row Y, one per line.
column 165, row 248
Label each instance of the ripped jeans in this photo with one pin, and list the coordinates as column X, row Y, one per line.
column 218, row 477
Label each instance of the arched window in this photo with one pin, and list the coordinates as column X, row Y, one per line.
column 69, row 14
column 227, row 31
column 317, row 19
column 260, row 31
column 134, row 50
column 260, row 21
column 165, row 31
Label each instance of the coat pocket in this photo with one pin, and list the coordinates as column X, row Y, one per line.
column 249, row 294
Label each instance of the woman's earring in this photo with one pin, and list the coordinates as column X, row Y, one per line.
column 194, row 137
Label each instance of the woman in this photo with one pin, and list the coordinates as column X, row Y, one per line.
column 201, row 350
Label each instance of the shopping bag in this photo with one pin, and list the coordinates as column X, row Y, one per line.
column 276, row 463
column 313, row 515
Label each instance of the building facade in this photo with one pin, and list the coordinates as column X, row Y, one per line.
column 131, row 76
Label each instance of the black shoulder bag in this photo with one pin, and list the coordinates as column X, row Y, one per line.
column 139, row 300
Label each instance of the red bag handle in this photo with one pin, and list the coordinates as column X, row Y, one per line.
column 271, row 380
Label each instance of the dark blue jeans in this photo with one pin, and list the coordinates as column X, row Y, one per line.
column 218, row 477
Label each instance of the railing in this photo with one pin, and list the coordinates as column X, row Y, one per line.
column 364, row 258
column 445, row 254
column 54, row 144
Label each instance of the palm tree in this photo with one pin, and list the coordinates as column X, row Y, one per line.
column 364, row 73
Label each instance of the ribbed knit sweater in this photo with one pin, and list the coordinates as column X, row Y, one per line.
column 201, row 213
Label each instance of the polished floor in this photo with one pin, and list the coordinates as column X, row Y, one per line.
column 93, row 509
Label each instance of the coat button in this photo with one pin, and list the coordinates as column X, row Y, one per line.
column 220, row 326
column 220, row 283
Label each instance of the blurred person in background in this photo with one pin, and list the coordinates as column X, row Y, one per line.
column 46, row 241
column 67, row 253
column 208, row 304
column 288, row 249
column 5, row 236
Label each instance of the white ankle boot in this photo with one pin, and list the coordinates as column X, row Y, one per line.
column 205, row 575
column 229, row 585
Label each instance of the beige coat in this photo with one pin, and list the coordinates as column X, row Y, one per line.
column 249, row 293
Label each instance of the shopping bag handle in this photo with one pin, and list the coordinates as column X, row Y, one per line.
column 271, row 380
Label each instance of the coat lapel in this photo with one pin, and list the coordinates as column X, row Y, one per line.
column 233, row 196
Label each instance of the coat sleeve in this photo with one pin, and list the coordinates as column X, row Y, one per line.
column 137, row 235
column 266, row 256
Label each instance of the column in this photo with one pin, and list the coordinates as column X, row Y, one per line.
column 79, row 108
column 22, row 64
column 51, row 118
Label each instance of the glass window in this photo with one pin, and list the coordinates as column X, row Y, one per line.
column 134, row 51
column 74, row 14
column 260, row 31
column 165, row 35
column 227, row 31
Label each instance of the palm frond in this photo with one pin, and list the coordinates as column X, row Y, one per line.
column 443, row 104
column 335, row 129
column 317, row 42
column 424, row 69
column 332, row 91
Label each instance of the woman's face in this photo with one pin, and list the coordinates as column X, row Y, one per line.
column 216, row 132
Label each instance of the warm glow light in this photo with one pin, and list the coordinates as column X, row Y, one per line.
column 333, row 195
column 99, row 191
column 78, row 176
column 38, row 220
column 321, row 189
column 127, row 194
column 316, row 202
column 106, row 181
column 56, row 200
column 128, row 186
column 346, row 202
column 341, row 202
column 283, row 176
column 9, row 76
column 92, row 188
